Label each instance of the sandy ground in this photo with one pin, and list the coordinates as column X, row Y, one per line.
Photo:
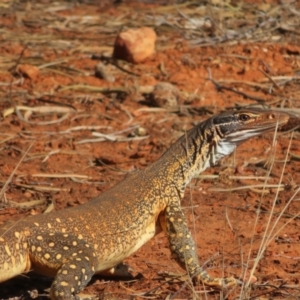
column 248, row 54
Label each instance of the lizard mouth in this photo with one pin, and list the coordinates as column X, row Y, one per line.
column 240, row 136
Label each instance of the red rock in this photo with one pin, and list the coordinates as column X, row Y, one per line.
column 29, row 71
column 135, row 45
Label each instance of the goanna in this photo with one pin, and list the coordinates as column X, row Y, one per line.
column 73, row 244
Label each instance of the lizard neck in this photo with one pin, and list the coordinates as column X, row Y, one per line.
column 200, row 148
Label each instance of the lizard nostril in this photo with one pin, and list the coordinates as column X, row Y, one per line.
column 271, row 116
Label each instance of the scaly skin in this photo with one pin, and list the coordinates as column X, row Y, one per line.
column 73, row 244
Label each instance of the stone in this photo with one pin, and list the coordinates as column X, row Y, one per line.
column 165, row 95
column 103, row 72
column 29, row 71
column 135, row 45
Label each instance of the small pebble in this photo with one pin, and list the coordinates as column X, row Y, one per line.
column 29, row 71
column 165, row 95
column 101, row 71
column 140, row 131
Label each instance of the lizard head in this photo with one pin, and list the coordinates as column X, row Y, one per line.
column 233, row 128
column 236, row 127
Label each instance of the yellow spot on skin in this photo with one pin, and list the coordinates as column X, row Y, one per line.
column 74, row 243
column 61, row 294
column 6, row 266
column 65, row 272
column 78, row 259
column 25, row 245
column 80, row 237
column 96, row 246
column 51, row 234
column 66, row 248
column 83, row 271
column 21, row 258
column 32, row 248
column 187, row 247
column 1, row 239
column 87, row 245
column 13, row 260
column 58, row 256
column 72, row 266
column 63, row 230
column 87, row 227
column 51, row 244
column 72, row 290
column 75, row 228
column 93, row 269
column 18, row 246
column 85, row 277
column 87, row 258
column 38, row 249
column 47, row 255
column 49, row 225
column 39, row 237
column 188, row 236
column 171, row 219
column 7, row 250
column 179, row 220
column 64, row 283
column 58, row 220
column 36, row 224
column 190, row 261
column 17, row 234
column 74, row 254
column 79, row 283
column 66, row 235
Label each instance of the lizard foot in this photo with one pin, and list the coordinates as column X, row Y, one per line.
column 220, row 283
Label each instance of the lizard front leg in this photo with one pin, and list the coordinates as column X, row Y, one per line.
column 183, row 247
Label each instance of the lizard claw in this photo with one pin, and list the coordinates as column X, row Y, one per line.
column 223, row 283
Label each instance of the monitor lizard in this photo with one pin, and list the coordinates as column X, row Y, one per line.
column 73, row 244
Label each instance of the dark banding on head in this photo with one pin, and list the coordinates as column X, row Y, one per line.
column 238, row 126
column 225, row 123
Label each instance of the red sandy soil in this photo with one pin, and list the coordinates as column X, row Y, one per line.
column 228, row 226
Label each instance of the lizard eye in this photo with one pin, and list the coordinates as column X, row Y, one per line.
column 244, row 117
